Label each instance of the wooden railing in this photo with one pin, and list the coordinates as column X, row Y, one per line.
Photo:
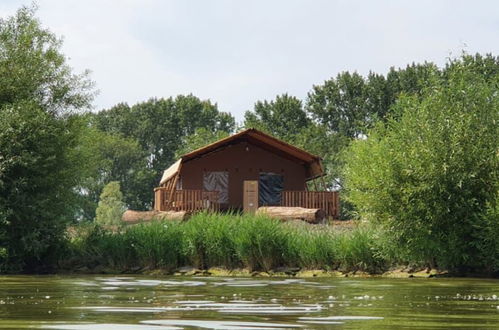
column 186, row 200
column 198, row 200
column 326, row 200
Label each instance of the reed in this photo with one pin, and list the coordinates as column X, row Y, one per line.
column 257, row 243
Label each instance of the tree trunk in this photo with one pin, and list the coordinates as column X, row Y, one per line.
column 292, row 213
column 132, row 217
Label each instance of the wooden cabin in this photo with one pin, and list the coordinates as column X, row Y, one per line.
column 243, row 172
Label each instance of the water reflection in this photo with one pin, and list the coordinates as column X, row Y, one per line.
column 141, row 302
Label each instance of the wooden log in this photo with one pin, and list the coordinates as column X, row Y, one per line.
column 292, row 213
column 131, row 216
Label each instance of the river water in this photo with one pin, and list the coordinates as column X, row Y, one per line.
column 145, row 302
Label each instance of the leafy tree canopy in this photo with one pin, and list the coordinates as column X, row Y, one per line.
column 431, row 175
column 33, row 68
column 110, row 157
column 283, row 117
column 200, row 138
column 37, row 140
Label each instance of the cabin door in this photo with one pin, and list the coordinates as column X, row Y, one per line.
column 250, row 196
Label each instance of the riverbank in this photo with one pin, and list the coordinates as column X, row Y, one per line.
column 283, row 272
column 239, row 245
column 255, row 243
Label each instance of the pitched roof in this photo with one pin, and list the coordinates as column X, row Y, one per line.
column 262, row 140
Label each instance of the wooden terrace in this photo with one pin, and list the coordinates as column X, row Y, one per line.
column 199, row 200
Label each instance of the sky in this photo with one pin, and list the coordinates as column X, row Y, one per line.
column 238, row 52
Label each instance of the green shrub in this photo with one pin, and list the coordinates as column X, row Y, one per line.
column 111, row 206
column 38, row 170
column 485, row 241
column 429, row 175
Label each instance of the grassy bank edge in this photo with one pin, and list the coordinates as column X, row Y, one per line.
column 244, row 272
column 237, row 245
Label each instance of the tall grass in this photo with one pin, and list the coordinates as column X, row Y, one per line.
column 232, row 241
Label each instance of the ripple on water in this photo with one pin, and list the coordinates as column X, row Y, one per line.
column 107, row 326
column 149, row 283
column 83, row 283
column 263, row 309
column 241, row 283
column 290, row 303
column 239, row 308
column 223, row 324
column 194, row 301
column 336, row 319
column 260, row 283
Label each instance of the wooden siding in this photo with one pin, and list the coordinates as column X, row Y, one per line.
column 243, row 162
column 312, row 163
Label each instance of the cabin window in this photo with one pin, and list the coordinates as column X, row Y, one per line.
column 270, row 189
column 217, row 181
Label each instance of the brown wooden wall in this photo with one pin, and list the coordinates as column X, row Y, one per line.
column 242, row 165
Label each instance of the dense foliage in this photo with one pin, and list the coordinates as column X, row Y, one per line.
column 110, row 157
column 37, row 142
column 111, row 206
column 431, row 174
column 283, row 118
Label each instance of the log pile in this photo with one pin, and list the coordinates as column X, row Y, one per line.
column 293, row 213
column 132, row 217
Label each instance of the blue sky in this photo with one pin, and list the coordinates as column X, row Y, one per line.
column 238, row 52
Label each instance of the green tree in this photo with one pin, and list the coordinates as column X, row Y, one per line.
column 411, row 80
column 351, row 104
column 318, row 140
column 160, row 126
column 339, row 104
column 111, row 206
column 283, row 117
column 37, row 141
column 430, row 174
column 487, row 66
column 33, row 68
column 200, row 138
column 36, row 181
column 110, row 157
